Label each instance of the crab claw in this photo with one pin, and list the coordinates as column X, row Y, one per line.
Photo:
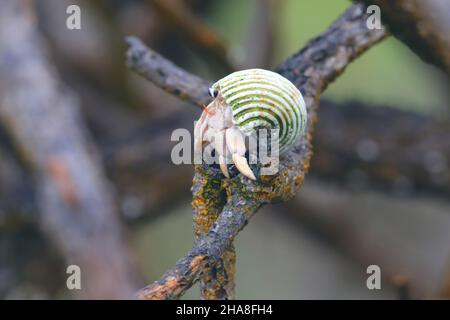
column 223, row 167
column 242, row 165
column 236, row 144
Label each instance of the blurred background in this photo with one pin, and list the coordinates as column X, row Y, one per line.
column 377, row 192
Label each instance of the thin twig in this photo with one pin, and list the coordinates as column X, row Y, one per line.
column 165, row 74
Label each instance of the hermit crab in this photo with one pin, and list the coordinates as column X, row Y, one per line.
column 245, row 101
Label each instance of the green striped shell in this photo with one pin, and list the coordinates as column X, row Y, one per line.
column 260, row 98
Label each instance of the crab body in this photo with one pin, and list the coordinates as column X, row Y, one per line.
column 243, row 102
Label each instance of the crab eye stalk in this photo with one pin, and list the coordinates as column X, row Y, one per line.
column 213, row 92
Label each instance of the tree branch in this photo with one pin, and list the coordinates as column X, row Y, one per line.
column 208, row 199
column 208, row 250
column 165, row 74
column 311, row 69
column 382, row 147
column 422, row 25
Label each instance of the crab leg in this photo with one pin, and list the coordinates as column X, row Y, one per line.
column 221, row 149
column 236, row 144
column 199, row 130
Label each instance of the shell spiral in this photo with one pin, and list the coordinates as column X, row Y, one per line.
column 264, row 99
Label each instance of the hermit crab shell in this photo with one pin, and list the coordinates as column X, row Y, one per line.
column 264, row 99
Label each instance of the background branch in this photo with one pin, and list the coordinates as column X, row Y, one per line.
column 183, row 21
column 165, row 74
column 72, row 194
column 422, row 25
